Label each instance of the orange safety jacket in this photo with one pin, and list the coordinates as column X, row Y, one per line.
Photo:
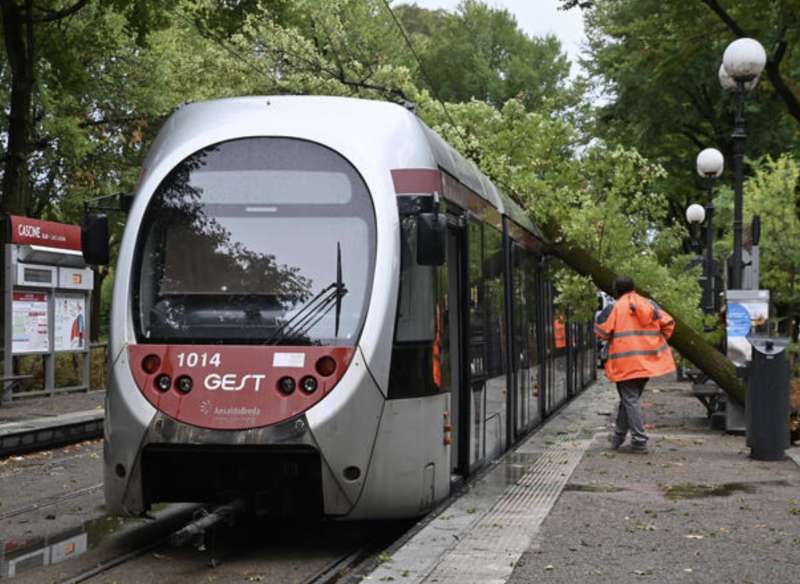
column 560, row 331
column 637, row 330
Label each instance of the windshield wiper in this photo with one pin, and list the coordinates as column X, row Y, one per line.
column 339, row 287
column 315, row 309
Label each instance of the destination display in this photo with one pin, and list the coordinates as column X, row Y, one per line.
column 30, row 332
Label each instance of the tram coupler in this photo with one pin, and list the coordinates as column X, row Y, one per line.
column 205, row 520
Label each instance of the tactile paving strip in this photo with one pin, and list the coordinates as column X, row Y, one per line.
column 488, row 553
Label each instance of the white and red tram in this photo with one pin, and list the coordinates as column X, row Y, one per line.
column 321, row 307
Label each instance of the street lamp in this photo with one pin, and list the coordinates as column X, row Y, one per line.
column 710, row 164
column 742, row 63
column 695, row 213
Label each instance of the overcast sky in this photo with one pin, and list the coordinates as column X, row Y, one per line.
column 535, row 17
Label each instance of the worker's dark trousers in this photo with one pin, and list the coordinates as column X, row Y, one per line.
column 629, row 414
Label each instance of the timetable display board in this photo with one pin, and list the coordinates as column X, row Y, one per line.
column 70, row 322
column 30, row 330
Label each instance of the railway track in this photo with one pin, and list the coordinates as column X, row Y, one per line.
column 50, row 501
column 103, row 567
column 338, row 567
column 255, row 551
column 329, row 574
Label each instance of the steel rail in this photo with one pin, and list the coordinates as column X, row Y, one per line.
column 337, row 568
column 45, row 502
column 113, row 563
column 157, row 542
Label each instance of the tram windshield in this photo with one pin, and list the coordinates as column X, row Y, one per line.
column 257, row 240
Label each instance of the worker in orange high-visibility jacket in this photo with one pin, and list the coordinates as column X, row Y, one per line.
column 560, row 332
column 636, row 330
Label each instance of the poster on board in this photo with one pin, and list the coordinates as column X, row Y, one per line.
column 30, row 333
column 747, row 314
column 70, row 322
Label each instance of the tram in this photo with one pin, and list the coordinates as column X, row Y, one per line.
column 322, row 308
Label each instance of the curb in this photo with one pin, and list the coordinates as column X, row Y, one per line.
column 42, row 433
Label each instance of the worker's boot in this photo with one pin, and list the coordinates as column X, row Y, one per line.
column 615, row 440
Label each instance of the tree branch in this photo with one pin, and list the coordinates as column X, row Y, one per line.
column 773, row 65
column 725, row 17
column 109, row 121
column 690, row 135
column 52, row 16
column 779, row 83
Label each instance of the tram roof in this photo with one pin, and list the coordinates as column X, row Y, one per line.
column 469, row 175
column 372, row 115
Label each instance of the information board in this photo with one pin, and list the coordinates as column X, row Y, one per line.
column 70, row 322
column 30, row 332
column 747, row 314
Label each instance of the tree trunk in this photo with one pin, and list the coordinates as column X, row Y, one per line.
column 685, row 339
column 18, row 36
column 18, row 32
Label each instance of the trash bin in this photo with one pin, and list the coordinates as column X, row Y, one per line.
column 767, row 403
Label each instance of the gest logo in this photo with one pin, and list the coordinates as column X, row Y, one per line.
column 232, row 381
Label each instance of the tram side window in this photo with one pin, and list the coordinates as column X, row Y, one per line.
column 477, row 306
column 520, row 355
column 416, row 368
column 531, row 299
column 525, row 298
column 493, row 268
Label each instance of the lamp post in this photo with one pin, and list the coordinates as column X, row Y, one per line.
column 742, row 63
column 695, row 215
column 710, row 164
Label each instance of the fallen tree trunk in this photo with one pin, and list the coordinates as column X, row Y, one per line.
column 685, row 339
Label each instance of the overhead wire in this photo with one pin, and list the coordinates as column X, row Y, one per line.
column 424, row 71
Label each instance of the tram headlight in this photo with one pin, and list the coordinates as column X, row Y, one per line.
column 326, row 366
column 151, row 363
column 286, row 385
column 184, row 384
column 163, row 382
column 308, row 384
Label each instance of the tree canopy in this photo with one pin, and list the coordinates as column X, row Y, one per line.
column 657, row 65
column 478, row 52
column 95, row 80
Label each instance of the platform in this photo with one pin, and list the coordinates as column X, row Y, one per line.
column 563, row 507
column 39, row 423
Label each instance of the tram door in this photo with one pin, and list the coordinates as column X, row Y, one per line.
column 459, row 404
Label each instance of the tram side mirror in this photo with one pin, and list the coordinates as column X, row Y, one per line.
column 94, row 239
column 431, row 238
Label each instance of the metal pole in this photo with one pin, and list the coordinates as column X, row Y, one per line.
column 708, row 305
column 8, row 328
column 739, row 135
